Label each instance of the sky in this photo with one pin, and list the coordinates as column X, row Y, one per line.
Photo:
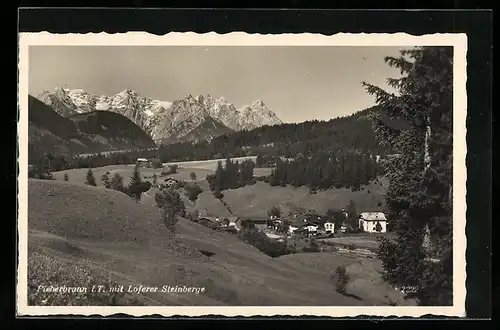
column 298, row 83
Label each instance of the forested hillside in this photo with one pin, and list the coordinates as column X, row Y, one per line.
column 350, row 133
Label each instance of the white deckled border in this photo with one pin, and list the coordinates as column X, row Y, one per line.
column 458, row 41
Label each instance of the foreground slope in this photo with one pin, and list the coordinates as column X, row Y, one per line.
column 112, row 236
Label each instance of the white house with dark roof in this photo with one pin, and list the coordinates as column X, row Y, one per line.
column 371, row 221
column 329, row 227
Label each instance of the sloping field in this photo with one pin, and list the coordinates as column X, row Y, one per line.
column 256, row 200
column 78, row 175
column 200, row 168
column 365, row 281
column 252, row 200
column 108, row 235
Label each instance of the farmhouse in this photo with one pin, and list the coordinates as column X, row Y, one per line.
column 307, row 228
column 373, row 222
column 170, row 182
column 292, row 229
column 142, row 161
column 228, row 221
column 329, row 227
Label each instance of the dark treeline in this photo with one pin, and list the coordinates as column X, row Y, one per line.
column 352, row 132
column 59, row 162
column 326, row 170
column 231, row 176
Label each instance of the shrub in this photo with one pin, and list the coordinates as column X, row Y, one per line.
column 312, row 246
column 218, row 194
column 66, row 177
column 179, row 185
column 194, row 215
column 173, row 168
column 90, row 179
column 192, row 191
column 275, row 211
column 156, row 163
column 257, row 238
column 117, row 183
column 341, row 279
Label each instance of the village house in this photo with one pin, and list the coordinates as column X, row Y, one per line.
column 228, row 221
column 260, row 223
column 292, row 229
column 169, row 182
column 206, row 220
column 329, row 227
column 373, row 222
column 142, row 161
column 307, row 228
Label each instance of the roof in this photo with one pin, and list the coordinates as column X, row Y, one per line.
column 308, row 223
column 212, row 219
column 231, row 218
column 256, row 219
column 142, row 159
column 373, row 216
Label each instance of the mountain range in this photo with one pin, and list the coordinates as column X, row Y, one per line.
column 194, row 118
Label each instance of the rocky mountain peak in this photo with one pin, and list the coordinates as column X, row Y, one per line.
column 164, row 120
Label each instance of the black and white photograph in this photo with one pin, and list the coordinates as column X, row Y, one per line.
column 239, row 174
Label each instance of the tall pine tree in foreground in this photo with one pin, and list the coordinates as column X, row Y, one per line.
column 420, row 172
column 90, row 179
column 134, row 186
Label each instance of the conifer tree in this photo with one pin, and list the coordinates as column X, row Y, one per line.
column 135, row 183
column 420, row 173
column 258, row 161
column 90, row 179
column 219, row 177
column 352, row 216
